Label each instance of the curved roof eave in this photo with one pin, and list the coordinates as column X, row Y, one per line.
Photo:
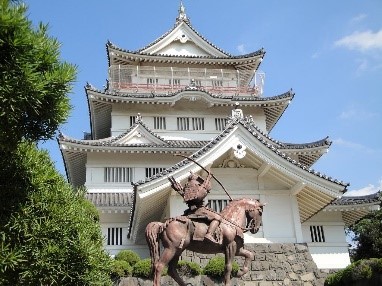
column 255, row 56
column 247, row 124
column 231, row 100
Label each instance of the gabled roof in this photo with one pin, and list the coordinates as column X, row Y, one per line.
column 183, row 43
column 312, row 189
column 140, row 138
column 183, row 32
column 353, row 208
column 100, row 104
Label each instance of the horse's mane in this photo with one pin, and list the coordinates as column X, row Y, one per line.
column 234, row 204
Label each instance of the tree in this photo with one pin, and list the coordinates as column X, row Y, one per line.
column 49, row 232
column 52, row 237
column 33, row 81
column 368, row 236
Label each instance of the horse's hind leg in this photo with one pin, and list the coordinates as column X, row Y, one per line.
column 248, row 258
column 166, row 257
column 173, row 272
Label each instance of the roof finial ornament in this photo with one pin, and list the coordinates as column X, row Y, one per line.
column 182, row 14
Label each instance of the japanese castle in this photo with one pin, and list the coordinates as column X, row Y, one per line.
column 181, row 94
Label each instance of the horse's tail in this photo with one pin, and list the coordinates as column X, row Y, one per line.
column 153, row 229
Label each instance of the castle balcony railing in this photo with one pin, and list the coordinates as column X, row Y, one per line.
column 170, row 79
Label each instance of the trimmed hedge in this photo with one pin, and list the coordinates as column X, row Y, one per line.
column 361, row 270
column 189, row 269
column 121, row 268
column 129, row 256
column 215, row 267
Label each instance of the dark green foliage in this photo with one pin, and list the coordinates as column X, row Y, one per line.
column 120, row 268
column 129, row 256
column 51, row 237
column 368, row 236
column 186, row 268
column 215, row 267
column 33, row 81
column 361, row 270
column 142, row 269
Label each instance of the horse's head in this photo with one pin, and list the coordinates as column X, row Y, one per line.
column 254, row 212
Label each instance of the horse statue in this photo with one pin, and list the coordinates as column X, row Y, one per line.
column 188, row 232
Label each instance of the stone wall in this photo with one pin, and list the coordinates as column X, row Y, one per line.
column 274, row 264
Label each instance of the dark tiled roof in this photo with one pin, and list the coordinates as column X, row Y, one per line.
column 234, row 98
column 323, row 142
column 138, row 53
column 357, row 200
column 121, row 199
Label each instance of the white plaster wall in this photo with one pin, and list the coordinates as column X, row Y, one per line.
column 120, row 117
column 98, row 161
column 330, row 256
column 334, row 252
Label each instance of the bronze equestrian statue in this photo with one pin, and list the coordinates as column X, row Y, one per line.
column 202, row 230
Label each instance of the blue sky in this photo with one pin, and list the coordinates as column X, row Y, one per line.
column 328, row 52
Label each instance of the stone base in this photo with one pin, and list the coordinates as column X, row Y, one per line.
column 274, row 264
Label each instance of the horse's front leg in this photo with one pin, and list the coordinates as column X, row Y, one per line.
column 248, row 258
column 230, row 251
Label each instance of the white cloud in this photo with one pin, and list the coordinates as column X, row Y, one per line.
column 355, row 146
column 241, row 48
column 358, row 18
column 368, row 190
column 361, row 41
column 355, row 113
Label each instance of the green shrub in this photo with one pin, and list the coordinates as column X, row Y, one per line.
column 121, row 268
column 129, row 256
column 361, row 270
column 215, row 267
column 187, row 268
column 142, row 268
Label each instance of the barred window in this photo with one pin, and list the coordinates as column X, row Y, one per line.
column 118, row 174
column 218, row 205
column 183, row 123
column 198, row 82
column 160, row 123
column 220, row 123
column 114, row 236
column 197, row 123
column 317, row 233
column 216, row 83
column 174, row 82
column 152, row 171
column 132, row 120
column 152, row 82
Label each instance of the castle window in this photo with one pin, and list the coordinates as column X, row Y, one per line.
column 118, row 174
column 197, row 123
column 152, row 82
column 160, row 123
column 174, row 82
column 217, row 83
column 183, row 123
column 220, row 123
column 132, row 120
column 114, row 236
column 217, row 205
column 152, row 171
column 317, row 233
column 198, row 82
